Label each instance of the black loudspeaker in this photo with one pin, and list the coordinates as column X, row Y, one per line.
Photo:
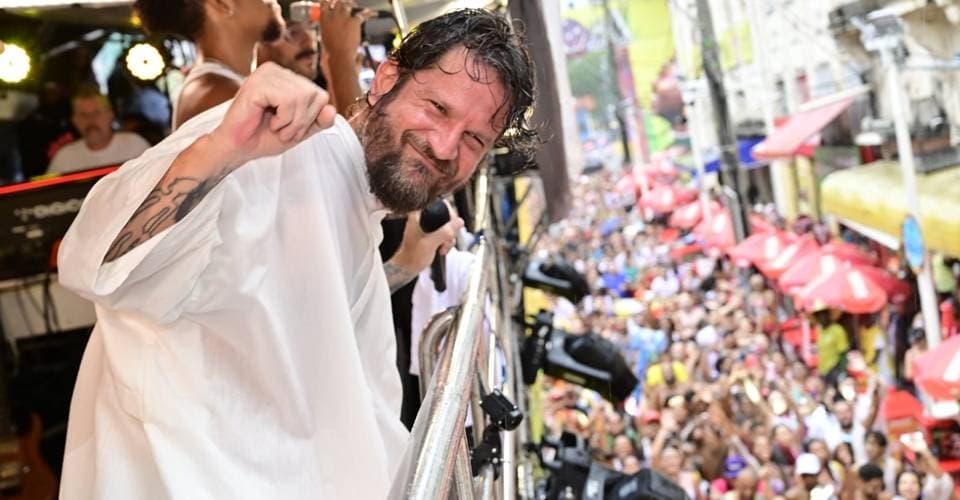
column 569, row 465
column 595, row 487
column 645, row 485
column 556, row 277
column 590, row 361
column 587, row 360
column 574, row 474
column 533, row 353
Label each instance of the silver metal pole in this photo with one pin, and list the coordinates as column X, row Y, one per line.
column 428, row 467
column 512, row 386
column 487, row 491
column 481, row 209
column 463, row 474
column 476, row 411
column 433, row 334
column 928, row 297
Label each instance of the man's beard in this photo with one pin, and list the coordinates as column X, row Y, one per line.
column 389, row 172
column 306, row 62
column 95, row 135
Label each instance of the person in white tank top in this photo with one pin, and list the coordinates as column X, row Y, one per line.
column 297, row 50
column 226, row 33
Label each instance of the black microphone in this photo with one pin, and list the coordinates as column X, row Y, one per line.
column 432, row 218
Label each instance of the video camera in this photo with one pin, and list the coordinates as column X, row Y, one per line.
column 557, row 277
column 576, row 476
column 587, row 360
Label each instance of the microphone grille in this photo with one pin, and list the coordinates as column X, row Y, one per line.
column 434, row 216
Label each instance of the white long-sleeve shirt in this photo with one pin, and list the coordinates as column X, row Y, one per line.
column 245, row 352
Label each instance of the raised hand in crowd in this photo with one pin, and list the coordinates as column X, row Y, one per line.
column 274, row 110
column 341, row 34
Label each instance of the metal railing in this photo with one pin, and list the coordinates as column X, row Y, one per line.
column 462, row 351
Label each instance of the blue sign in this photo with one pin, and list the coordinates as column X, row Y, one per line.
column 913, row 242
column 744, row 152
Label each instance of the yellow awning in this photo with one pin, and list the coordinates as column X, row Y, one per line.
column 873, row 196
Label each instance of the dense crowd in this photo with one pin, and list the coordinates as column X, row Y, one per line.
column 726, row 407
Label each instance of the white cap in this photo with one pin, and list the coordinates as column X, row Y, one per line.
column 808, row 463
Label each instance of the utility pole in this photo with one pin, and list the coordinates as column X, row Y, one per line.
column 619, row 110
column 690, row 89
column 632, row 127
column 883, row 33
column 729, row 162
column 757, row 38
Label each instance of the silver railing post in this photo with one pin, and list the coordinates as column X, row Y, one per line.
column 428, row 468
column 433, row 334
column 454, row 377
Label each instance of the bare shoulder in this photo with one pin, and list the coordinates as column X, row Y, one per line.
column 203, row 93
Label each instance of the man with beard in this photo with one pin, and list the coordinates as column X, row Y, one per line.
column 299, row 51
column 226, row 33
column 870, row 485
column 99, row 145
column 841, row 425
column 244, row 345
column 807, row 470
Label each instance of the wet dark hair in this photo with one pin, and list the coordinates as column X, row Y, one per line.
column 182, row 18
column 491, row 42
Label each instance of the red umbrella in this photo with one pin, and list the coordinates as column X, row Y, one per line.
column 666, row 198
column 683, row 251
column 793, row 252
column 663, row 168
column 760, row 224
column 718, row 231
column 760, row 247
column 808, row 268
column 828, row 260
column 669, row 235
column 848, row 289
column 690, row 214
column 937, row 371
column 848, row 252
column 898, row 291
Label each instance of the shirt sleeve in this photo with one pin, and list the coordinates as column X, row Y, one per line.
column 938, row 487
column 138, row 143
column 56, row 164
column 156, row 277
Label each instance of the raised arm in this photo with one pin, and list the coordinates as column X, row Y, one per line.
column 340, row 33
column 274, row 110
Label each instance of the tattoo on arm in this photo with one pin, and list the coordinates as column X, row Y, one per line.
column 397, row 278
column 168, row 203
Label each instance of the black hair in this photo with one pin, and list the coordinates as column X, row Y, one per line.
column 843, row 444
column 491, row 42
column 870, row 472
column 182, row 18
column 877, row 436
